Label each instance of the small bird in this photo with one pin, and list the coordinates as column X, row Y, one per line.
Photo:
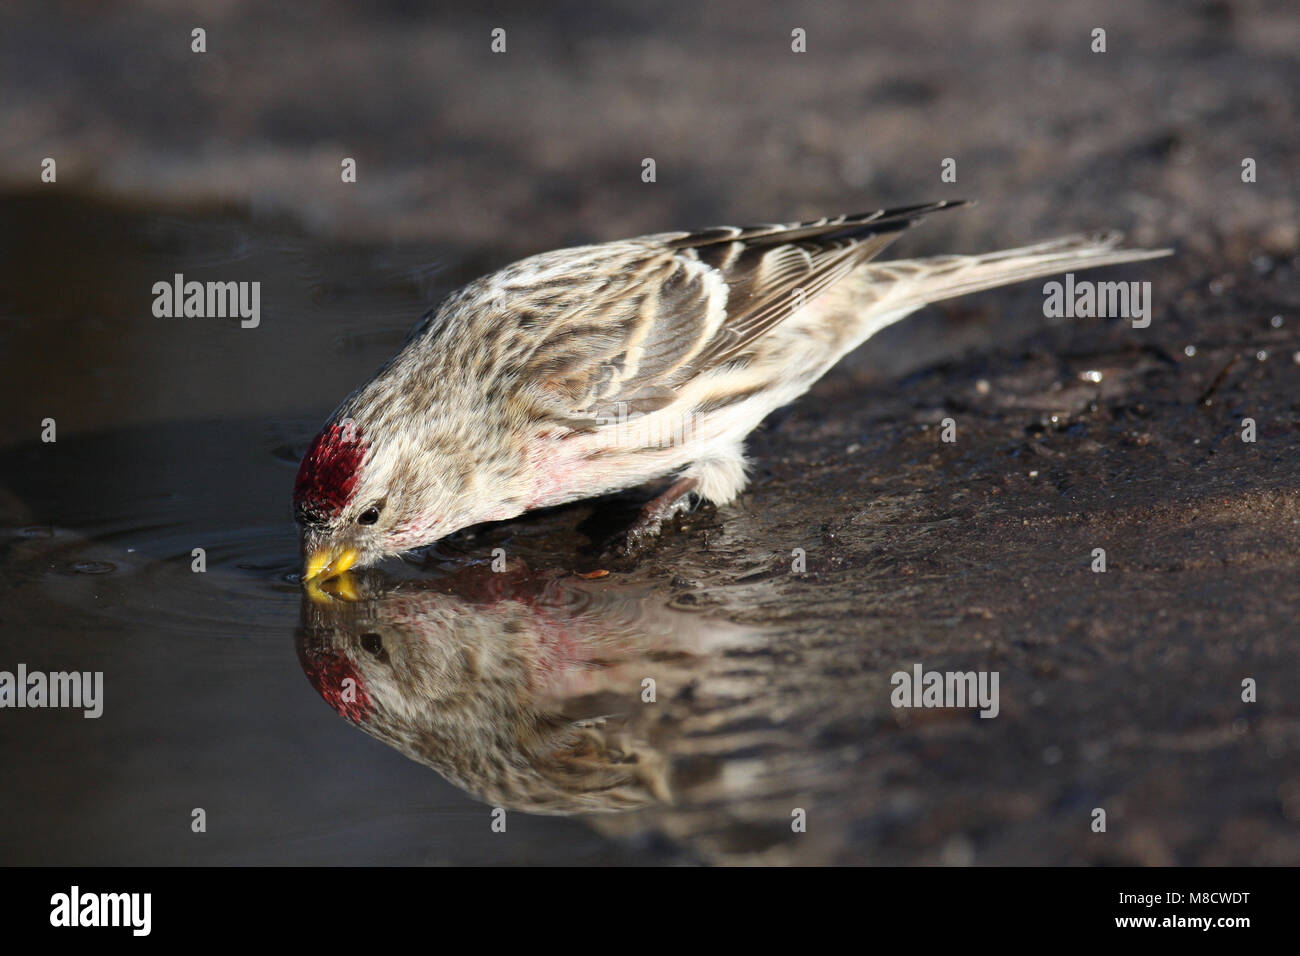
column 589, row 370
column 523, row 688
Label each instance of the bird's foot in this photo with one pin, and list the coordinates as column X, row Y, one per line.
column 643, row 533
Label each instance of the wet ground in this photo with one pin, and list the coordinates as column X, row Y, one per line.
column 526, row 687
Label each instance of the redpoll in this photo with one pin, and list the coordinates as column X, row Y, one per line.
column 504, row 685
column 594, row 369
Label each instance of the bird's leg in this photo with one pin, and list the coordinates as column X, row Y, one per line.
column 656, row 512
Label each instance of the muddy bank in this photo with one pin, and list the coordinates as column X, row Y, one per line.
column 1120, row 690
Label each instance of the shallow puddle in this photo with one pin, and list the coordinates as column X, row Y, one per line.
column 532, row 691
column 152, row 541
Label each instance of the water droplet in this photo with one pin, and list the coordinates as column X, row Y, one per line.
column 1092, row 375
column 1189, row 350
column 1276, row 321
column 1262, row 354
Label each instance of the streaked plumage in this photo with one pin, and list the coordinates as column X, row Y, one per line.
column 588, row 370
column 518, row 687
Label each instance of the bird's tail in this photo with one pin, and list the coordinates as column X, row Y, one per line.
column 908, row 284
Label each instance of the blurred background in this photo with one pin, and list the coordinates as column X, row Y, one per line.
column 542, row 145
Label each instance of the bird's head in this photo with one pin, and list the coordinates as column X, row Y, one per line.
column 357, row 499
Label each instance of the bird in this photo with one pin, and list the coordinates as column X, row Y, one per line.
column 520, row 687
column 594, row 369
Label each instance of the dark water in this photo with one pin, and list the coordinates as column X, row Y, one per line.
column 176, row 434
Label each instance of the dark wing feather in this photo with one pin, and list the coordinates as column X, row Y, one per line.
column 669, row 307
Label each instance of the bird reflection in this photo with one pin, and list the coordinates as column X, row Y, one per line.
column 528, row 690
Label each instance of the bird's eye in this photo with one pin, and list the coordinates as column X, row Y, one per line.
column 372, row 644
column 369, row 516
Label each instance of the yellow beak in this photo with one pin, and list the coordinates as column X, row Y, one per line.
column 342, row 588
column 328, row 563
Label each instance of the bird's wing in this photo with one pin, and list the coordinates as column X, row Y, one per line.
column 626, row 324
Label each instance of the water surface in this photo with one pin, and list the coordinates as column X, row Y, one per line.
column 172, row 435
